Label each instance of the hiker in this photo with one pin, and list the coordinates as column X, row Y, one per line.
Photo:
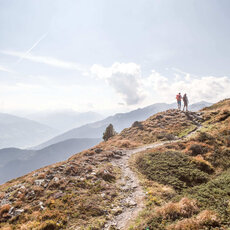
column 185, row 100
column 178, row 98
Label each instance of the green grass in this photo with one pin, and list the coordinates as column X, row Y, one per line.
column 171, row 168
column 185, row 132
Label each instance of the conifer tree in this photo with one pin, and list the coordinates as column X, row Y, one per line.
column 109, row 132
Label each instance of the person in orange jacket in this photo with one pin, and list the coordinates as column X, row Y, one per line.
column 178, row 98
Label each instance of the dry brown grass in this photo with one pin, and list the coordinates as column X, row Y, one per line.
column 172, row 211
column 7, row 228
column 4, row 210
column 116, row 142
column 1, row 195
column 203, row 164
column 206, row 218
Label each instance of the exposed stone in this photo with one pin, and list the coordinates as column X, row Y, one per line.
column 116, row 211
column 18, row 212
column 41, row 205
column 39, row 182
column 58, row 195
column 98, row 150
column 106, row 175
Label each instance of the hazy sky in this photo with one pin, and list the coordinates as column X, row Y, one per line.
column 112, row 55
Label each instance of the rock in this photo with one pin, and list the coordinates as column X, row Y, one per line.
column 116, row 211
column 49, row 176
column 88, row 176
column 4, row 201
column 106, row 175
column 41, row 205
column 58, row 195
column 118, row 152
column 35, row 174
column 11, row 211
column 22, row 187
column 39, row 182
column 159, row 116
column 18, row 212
column 56, row 179
column 30, row 195
column 98, row 150
column 170, row 137
column 103, row 195
column 131, row 203
column 116, row 156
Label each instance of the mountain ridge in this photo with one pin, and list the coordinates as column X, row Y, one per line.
column 22, row 132
column 67, row 119
column 25, row 161
column 119, row 121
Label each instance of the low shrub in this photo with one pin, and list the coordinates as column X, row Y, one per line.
column 220, row 158
column 214, row 195
column 49, row 225
column 171, row 168
column 138, row 124
column 196, row 149
column 205, row 137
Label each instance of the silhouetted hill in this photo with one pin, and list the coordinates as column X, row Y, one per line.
column 17, row 162
column 21, row 132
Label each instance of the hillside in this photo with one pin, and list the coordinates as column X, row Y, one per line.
column 66, row 119
column 17, row 162
column 183, row 171
column 119, row 121
column 20, row 132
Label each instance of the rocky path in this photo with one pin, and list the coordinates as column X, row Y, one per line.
column 132, row 193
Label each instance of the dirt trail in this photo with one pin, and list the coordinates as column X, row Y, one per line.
column 133, row 194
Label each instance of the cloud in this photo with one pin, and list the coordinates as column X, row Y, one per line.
column 210, row 88
column 4, row 69
column 125, row 78
column 46, row 60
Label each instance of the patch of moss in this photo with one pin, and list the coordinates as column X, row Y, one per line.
column 214, row 195
column 186, row 131
column 171, row 168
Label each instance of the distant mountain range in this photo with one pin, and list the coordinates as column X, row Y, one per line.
column 18, row 131
column 119, row 121
column 66, row 119
column 21, row 132
column 17, row 162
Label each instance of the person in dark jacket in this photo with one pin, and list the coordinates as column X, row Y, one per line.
column 185, row 100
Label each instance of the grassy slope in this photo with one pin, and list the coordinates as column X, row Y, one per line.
column 196, row 170
column 82, row 192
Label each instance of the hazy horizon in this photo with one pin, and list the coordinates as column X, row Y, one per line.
column 111, row 56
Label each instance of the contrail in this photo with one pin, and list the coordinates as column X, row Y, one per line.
column 182, row 72
column 33, row 46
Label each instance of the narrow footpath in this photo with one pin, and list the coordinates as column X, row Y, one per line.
column 132, row 192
